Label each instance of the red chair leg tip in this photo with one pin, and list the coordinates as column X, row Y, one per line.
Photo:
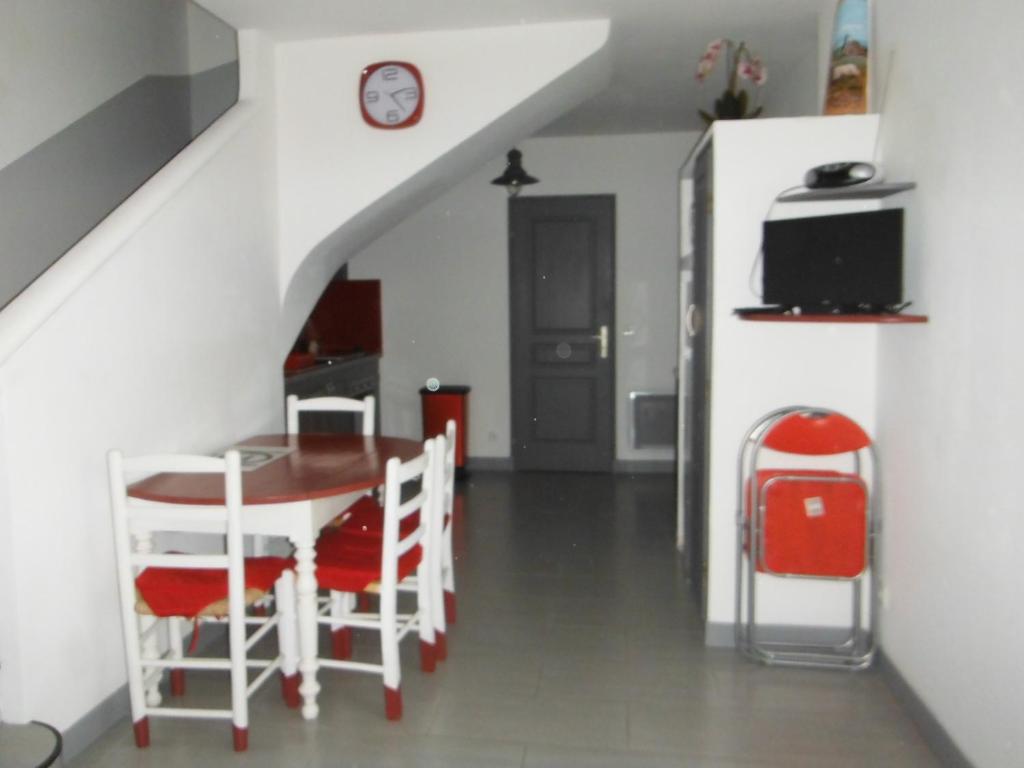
column 177, row 682
column 393, row 703
column 449, row 607
column 240, row 737
column 440, row 645
column 341, row 643
column 290, row 690
column 428, row 656
column 141, row 728
column 363, row 602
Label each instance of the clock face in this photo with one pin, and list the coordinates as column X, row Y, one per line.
column 391, row 94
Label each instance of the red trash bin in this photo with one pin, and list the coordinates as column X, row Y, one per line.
column 439, row 405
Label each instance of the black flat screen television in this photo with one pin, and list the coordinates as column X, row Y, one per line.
column 847, row 263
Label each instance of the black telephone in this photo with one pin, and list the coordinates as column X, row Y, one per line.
column 841, row 175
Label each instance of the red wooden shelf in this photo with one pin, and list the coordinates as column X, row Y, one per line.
column 774, row 317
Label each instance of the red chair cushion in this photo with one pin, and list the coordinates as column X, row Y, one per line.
column 355, row 566
column 334, row 542
column 365, row 519
column 812, row 527
column 365, row 512
column 192, row 592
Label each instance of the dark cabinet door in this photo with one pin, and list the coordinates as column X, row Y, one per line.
column 697, row 327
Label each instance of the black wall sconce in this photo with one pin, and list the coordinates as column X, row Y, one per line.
column 514, row 177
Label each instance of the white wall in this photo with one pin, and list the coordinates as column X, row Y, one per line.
column 343, row 183
column 445, row 282
column 950, row 405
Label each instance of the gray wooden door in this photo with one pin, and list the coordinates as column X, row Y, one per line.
column 562, row 302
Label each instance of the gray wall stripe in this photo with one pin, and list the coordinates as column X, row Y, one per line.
column 53, row 195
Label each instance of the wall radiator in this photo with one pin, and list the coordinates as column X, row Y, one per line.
column 653, row 419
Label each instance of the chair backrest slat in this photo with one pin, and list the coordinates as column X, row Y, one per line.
column 412, row 505
column 173, row 462
column 366, row 407
column 412, row 468
column 150, row 517
column 408, row 542
column 164, row 560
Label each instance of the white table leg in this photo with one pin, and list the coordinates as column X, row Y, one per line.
column 305, row 599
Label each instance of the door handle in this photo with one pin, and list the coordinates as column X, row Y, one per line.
column 692, row 320
column 602, row 337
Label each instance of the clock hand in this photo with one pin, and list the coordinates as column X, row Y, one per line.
column 399, row 104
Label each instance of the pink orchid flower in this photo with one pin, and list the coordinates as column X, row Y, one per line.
column 704, row 67
column 759, row 73
column 744, row 66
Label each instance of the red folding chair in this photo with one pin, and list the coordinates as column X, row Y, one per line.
column 807, row 482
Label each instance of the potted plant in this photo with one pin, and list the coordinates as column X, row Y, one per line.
column 742, row 67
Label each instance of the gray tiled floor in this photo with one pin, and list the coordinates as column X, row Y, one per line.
column 577, row 644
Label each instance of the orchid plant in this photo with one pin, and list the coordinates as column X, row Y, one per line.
column 741, row 65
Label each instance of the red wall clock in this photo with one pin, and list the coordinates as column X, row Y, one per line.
column 391, row 94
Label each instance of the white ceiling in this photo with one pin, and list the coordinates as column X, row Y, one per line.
column 655, row 44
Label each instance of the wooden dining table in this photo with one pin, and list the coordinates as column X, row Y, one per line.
column 292, row 487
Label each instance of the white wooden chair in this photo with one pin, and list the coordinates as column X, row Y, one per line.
column 441, row 571
column 348, row 566
column 294, row 406
column 366, row 407
column 444, row 462
column 365, row 521
column 173, row 587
